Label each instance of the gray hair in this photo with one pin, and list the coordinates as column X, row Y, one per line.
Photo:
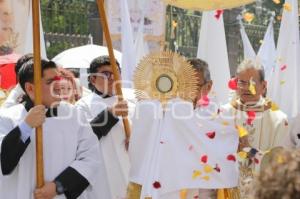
column 252, row 64
column 201, row 66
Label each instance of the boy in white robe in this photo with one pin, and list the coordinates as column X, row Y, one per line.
column 70, row 152
column 102, row 111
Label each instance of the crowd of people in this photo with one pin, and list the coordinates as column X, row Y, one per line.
column 84, row 150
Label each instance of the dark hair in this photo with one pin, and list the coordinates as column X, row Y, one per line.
column 26, row 71
column 75, row 71
column 21, row 61
column 201, row 66
column 98, row 63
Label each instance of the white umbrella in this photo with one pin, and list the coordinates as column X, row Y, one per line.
column 81, row 57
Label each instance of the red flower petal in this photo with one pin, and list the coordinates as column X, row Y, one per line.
column 204, row 159
column 232, row 84
column 204, row 101
column 231, row 158
column 256, row 160
column 57, row 78
column 251, row 117
column 218, row 14
column 211, row 135
column 156, row 185
column 196, row 197
column 217, row 168
column 282, row 68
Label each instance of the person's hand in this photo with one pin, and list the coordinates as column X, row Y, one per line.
column 48, row 191
column 36, row 116
column 243, row 143
column 119, row 109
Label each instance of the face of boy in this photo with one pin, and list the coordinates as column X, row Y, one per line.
column 50, row 90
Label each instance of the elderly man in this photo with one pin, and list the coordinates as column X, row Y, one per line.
column 180, row 154
column 256, row 117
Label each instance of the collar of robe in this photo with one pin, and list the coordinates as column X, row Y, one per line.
column 28, row 104
column 261, row 106
column 101, row 94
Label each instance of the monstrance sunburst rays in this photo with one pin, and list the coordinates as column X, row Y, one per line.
column 165, row 75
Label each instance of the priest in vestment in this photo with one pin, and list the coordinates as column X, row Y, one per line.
column 258, row 117
column 175, row 152
column 70, row 150
column 103, row 112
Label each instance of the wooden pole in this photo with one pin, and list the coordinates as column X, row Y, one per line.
column 116, row 73
column 37, row 90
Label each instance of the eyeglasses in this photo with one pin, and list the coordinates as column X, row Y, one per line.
column 105, row 74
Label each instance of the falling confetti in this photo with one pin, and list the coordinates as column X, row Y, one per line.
column 279, row 17
column 196, row 174
column 191, row 147
column 252, row 87
column 251, row 117
column 206, row 178
column 225, row 123
column 218, row 14
column 232, row 84
column 282, row 68
column 217, row 168
column 282, row 82
column 157, row 185
column 208, row 169
column 161, row 142
column 248, row 17
column 174, row 24
column 274, row 107
column 276, row 1
column 242, row 154
column 204, row 101
column 242, row 131
column 211, row 135
column 231, row 158
column 287, row 7
column 204, row 159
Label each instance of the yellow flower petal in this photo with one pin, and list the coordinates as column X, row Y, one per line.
column 225, row 123
column 242, row 131
column 252, row 87
column 206, row 178
column 248, row 17
column 196, row 174
column 208, row 169
column 276, row 1
column 274, row 107
column 242, row 155
column 287, row 7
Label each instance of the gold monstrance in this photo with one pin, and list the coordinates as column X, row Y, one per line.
column 165, row 75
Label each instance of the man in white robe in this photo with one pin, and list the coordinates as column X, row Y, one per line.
column 103, row 112
column 70, row 150
column 177, row 152
column 264, row 123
